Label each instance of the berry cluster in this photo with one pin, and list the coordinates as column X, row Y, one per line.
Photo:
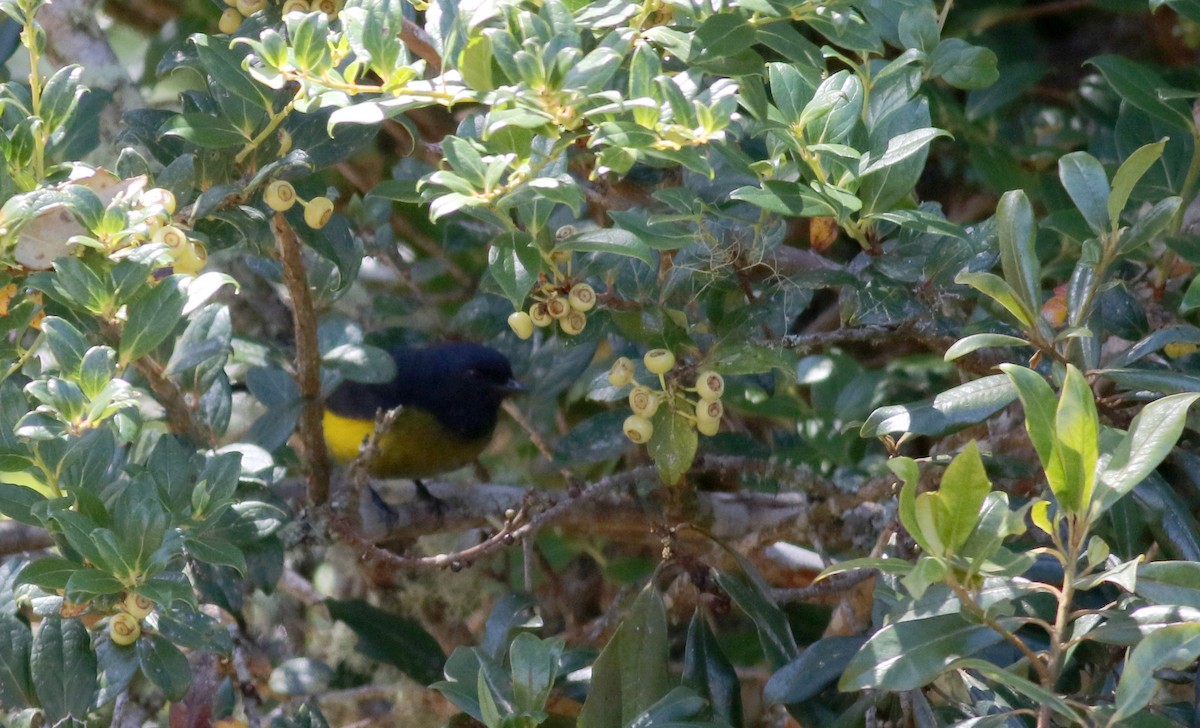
column 231, row 18
column 704, row 412
column 156, row 206
column 126, row 625
column 280, row 196
column 561, row 297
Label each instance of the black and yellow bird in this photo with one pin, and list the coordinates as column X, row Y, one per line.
column 449, row 397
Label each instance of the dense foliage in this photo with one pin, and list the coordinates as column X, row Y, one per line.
column 857, row 339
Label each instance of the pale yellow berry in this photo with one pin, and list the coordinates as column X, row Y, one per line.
column 582, row 297
column 708, row 428
column 564, row 232
column 230, row 21
column 171, row 236
column 557, row 307
column 159, row 197
column 709, row 409
column 540, row 316
column 329, row 7
column 521, row 324
column 573, row 322
column 137, row 606
column 317, row 212
column 124, row 629
column 638, row 428
column 621, row 372
column 710, row 385
column 295, row 6
column 250, row 7
column 190, row 259
column 280, row 195
column 644, row 401
column 659, row 361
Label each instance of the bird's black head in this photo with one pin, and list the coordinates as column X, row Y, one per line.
column 462, row 384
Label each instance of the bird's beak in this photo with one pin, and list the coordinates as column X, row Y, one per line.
column 512, row 386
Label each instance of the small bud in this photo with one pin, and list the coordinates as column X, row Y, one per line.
column 638, row 429
column 124, row 629
column 317, row 212
column 171, row 236
column 710, row 385
column 582, row 297
column 643, row 401
column 621, row 372
column 659, row 361
column 295, row 6
column 190, row 259
column 521, row 324
column 541, row 317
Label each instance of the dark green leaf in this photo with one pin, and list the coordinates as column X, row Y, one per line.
column 390, row 638
column 64, row 668
column 165, row 665
column 966, row 404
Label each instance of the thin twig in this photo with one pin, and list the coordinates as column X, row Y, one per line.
column 308, row 361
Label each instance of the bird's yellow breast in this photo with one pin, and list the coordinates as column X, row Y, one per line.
column 416, row 446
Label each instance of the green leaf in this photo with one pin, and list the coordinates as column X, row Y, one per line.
column 50, row 573
column 224, row 64
column 999, row 290
column 64, row 669
column 672, row 446
column 390, row 638
column 1151, row 437
column 817, row 667
column 16, row 641
column 1039, row 402
column 751, row 593
column 708, row 671
column 908, row 655
column 963, row 65
column 165, row 665
column 966, row 404
column 1127, row 176
column 898, row 149
column 1018, row 251
column 514, row 262
column 1148, row 225
column 974, row 342
column 1175, row 646
column 721, row 35
column 203, row 130
column 87, row 584
column 609, row 240
column 1084, row 178
column 152, row 317
column 964, row 487
column 1139, row 86
column 786, row 198
column 1029, row 689
column 66, row 343
column 631, row 673
column 1170, row 582
column 1077, row 447
column 534, row 665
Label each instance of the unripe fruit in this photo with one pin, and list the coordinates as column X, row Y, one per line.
column 521, row 324
column 582, row 297
column 621, row 372
column 124, row 629
column 250, row 7
column 710, row 385
column 171, row 236
column 329, row 7
column 638, row 428
column 190, row 259
column 708, row 428
column 540, row 316
column 643, row 401
column 564, row 232
column 280, row 195
column 295, row 6
column 159, row 197
column 230, row 21
column 659, row 361
column 317, row 212
column 709, row 409
column 573, row 322
column 557, row 307
column 137, row 606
